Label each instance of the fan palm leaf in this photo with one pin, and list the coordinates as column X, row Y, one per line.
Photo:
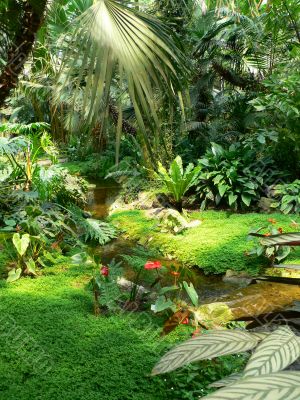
column 111, row 40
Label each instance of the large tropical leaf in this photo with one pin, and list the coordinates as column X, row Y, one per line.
column 285, row 239
column 279, row 386
column 274, row 353
column 111, row 40
column 210, row 345
column 229, row 380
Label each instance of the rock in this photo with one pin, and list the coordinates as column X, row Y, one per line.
column 264, row 204
column 145, row 201
column 240, row 278
column 171, row 220
column 214, row 314
column 127, row 285
column 117, row 205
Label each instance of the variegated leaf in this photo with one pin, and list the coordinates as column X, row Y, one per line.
column 274, row 353
column 213, row 344
column 229, row 380
column 287, row 239
column 278, row 386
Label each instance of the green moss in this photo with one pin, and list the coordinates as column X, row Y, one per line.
column 216, row 245
column 52, row 347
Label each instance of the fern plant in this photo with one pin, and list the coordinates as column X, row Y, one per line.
column 92, row 229
column 263, row 376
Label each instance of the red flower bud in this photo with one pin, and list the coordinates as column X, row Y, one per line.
column 104, row 271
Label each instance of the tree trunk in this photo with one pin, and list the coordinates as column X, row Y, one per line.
column 21, row 47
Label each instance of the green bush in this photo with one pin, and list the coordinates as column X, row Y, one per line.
column 229, row 177
column 287, row 197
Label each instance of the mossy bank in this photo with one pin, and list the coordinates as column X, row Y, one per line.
column 219, row 243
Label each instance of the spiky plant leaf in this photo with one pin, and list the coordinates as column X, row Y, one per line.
column 210, row 345
column 279, row 386
column 275, row 352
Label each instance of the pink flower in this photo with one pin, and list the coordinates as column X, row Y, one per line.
column 152, row 265
column 104, row 271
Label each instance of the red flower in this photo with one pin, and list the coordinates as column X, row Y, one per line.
column 185, row 321
column 152, row 265
column 104, row 271
column 280, row 230
column 175, row 273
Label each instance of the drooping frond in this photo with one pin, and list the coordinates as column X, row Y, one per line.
column 111, row 40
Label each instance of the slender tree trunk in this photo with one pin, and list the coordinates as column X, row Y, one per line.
column 21, row 47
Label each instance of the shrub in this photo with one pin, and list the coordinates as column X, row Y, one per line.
column 288, row 197
column 229, row 176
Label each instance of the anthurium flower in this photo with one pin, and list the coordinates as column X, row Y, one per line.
column 185, row 321
column 152, row 265
column 104, row 271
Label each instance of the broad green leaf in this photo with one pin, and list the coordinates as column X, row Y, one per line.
column 21, row 243
column 167, row 289
column 14, row 275
column 278, row 386
column 246, row 199
column 10, row 222
column 232, row 198
column 275, row 352
column 193, row 295
column 162, row 304
column 30, row 264
column 222, row 189
column 210, row 345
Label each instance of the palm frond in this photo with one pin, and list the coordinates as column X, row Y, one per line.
column 113, row 40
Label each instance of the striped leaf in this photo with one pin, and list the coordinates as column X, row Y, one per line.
column 279, row 386
column 213, row 344
column 285, row 239
column 276, row 352
column 229, row 380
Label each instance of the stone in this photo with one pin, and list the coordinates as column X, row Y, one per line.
column 265, row 203
column 241, row 278
column 171, row 220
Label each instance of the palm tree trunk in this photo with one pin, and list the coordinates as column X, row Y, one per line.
column 21, row 47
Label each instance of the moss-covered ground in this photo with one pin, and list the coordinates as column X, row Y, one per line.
column 52, row 347
column 218, row 244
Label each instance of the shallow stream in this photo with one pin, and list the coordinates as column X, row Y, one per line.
column 253, row 300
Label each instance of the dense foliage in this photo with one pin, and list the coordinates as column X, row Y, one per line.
column 192, row 109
